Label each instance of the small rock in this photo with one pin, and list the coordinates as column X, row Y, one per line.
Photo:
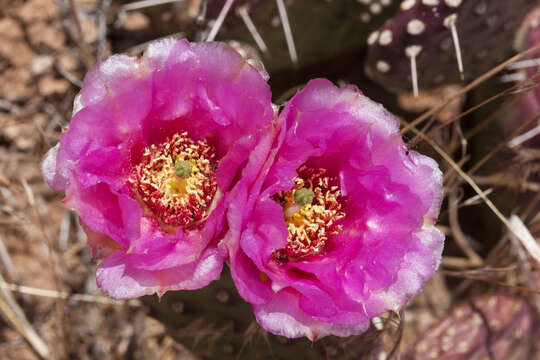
column 10, row 29
column 68, row 61
column 48, row 85
column 135, row 21
column 15, row 84
column 42, row 34
column 38, row 10
column 42, row 64
column 18, row 53
column 89, row 29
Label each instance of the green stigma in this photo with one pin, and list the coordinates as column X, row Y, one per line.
column 303, row 196
column 183, row 169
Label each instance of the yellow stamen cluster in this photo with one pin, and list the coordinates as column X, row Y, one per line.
column 310, row 225
column 176, row 200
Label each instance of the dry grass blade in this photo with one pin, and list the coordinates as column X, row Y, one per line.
column 468, row 179
column 472, row 85
column 515, row 89
column 14, row 314
column 65, row 296
column 137, row 5
column 460, row 274
column 527, row 240
column 488, row 156
column 83, row 46
column 458, row 234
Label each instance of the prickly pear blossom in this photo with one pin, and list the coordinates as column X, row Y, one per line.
column 340, row 224
column 152, row 151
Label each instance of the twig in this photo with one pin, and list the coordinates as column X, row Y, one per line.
column 458, row 234
column 136, row 5
column 503, row 143
column 495, row 115
column 507, row 181
column 63, row 236
column 69, row 76
column 494, row 282
column 458, row 263
column 518, row 140
column 66, row 296
column 532, row 205
column 81, row 43
column 527, row 240
column 467, row 178
column 14, row 314
column 102, row 27
column 6, row 261
column 514, row 89
column 472, row 85
column 395, row 349
column 475, row 200
column 53, row 259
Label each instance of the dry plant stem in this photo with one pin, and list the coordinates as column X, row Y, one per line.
column 532, row 206
column 86, row 56
column 449, row 177
column 472, row 85
column 467, row 178
column 502, row 179
column 28, row 290
column 5, row 259
column 530, row 244
column 458, row 263
column 503, row 143
column 394, row 353
column 475, row 200
column 495, row 115
column 102, row 27
column 68, row 76
column 524, row 263
column 137, row 5
column 459, row 274
column 54, row 260
column 483, row 103
column 14, row 314
column 458, row 234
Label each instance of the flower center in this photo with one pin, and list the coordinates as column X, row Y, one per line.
column 311, row 209
column 176, row 180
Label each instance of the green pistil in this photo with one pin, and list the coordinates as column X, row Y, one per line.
column 303, row 196
column 183, row 169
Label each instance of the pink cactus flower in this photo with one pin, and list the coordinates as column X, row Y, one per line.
column 339, row 226
column 154, row 147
